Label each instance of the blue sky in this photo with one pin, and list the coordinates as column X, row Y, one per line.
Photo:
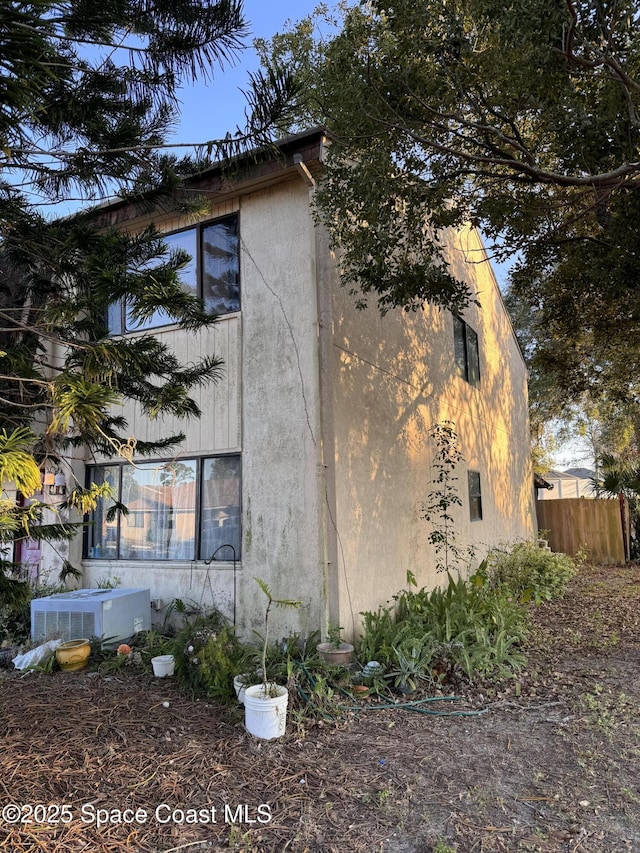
column 209, row 110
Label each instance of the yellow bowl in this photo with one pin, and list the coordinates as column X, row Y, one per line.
column 73, row 655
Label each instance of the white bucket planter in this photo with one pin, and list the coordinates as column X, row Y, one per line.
column 163, row 665
column 265, row 716
column 239, row 685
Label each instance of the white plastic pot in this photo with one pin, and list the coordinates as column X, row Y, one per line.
column 163, row 665
column 240, row 687
column 265, row 716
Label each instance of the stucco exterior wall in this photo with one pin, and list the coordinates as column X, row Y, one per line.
column 266, row 408
column 330, row 409
column 394, row 378
column 280, row 420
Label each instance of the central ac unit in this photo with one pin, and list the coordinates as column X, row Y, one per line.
column 113, row 614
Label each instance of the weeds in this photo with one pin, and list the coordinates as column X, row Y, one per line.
column 15, row 612
column 207, row 656
column 377, row 799
column 468, row 627
column 441, row 847
column 604, row 711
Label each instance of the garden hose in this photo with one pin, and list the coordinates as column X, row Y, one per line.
column 413, row 705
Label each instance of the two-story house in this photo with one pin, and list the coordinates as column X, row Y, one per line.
column 311, row 459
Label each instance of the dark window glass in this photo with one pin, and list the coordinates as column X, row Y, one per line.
column 460, row 347
column 212, row 273
column 466, row 351
column 188, row 242
column 220, row 525
column 475, row 496
column 102, row 538
column 473, row 357
column 220, row 273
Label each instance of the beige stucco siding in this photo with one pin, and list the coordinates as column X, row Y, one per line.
column 265, row 406
column 393, row 378
column 330, row 409
column 280, row 425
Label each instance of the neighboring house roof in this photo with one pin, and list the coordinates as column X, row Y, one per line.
column 559, row 475
column 581, row 473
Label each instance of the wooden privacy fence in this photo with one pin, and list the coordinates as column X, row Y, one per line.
column 575, row 523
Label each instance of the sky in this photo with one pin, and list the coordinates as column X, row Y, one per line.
column 209, row 110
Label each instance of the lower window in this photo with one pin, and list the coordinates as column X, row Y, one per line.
column 475, row 496
column 178, row 510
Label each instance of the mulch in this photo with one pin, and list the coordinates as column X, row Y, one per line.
column 103, row 764
column 110, row 746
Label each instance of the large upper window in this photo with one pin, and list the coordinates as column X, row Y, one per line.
column 178, row 510
column 213, row 273
column 467, row 353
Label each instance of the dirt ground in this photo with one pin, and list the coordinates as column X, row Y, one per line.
column 105, row 764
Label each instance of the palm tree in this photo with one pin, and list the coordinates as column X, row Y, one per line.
column 619, row 480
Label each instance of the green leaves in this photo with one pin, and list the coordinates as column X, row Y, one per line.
column 529, row 572
column 271, row 601
column 470, row 627
column 17, row 465
column 443, row 497
column 80, row 404
column 277, row 602
column 522, row 119
column 88, row 92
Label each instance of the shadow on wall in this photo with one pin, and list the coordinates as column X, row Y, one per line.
column 502, row 415
column 396, row 378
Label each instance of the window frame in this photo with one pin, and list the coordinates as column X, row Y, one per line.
column 467, row 367
column 199, row 228
column 474, row 482
column 227, row 555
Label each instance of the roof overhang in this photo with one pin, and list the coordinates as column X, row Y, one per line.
column 295, row 156
column 540, row 483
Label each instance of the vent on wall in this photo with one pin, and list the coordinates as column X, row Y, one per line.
column 63, row 623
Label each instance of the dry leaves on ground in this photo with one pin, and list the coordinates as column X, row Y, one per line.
column 553, row 764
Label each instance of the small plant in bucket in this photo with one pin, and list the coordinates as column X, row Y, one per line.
column 335, row 651
column 334, row 636
column 271, row 602
column 265, row 704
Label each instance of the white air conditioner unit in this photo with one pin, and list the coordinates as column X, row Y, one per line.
column 114, row 614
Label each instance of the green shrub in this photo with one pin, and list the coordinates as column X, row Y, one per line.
column 530, row 572
column 207, row 656
column 467, row 626
column 15, row 607
column 380, row 635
